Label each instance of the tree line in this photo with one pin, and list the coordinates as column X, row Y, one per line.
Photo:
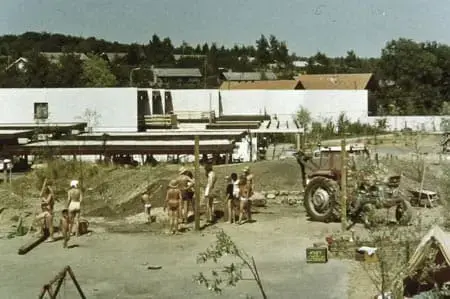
column 413, row 77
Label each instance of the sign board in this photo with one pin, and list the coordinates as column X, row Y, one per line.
column 316, row 255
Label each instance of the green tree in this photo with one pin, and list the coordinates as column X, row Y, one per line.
column 304, row 118
column 411, row 74
column 39, row 72
column 70, row 71
column 263, row 56
column 96, row 73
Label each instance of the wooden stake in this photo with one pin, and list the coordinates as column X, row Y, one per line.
column 343, row 185
column 197, row 182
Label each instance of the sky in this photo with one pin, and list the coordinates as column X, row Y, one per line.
column 330, row 26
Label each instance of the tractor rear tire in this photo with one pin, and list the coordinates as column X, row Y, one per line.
column 331, row 188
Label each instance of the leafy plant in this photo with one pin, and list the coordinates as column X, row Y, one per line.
column 229, row 275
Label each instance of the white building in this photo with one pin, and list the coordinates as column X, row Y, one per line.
column 104, row 109
column 116, row 109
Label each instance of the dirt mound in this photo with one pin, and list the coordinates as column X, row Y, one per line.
column 116, row 191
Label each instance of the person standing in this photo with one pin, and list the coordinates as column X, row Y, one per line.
column 243, row 197
column 185, row 183
column 147, row 206
column 75, row 197
column 232, row 195
column 251, row 190
column 172, row 204
column 209, row 191
column 47, row 206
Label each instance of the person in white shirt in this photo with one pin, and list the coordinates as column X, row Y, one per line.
column 209, row 191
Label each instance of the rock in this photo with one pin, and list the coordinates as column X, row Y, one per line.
column 275, row 192
column 258, row 196
column 271, row 196
column 284, row 192
column 283, row 200
column 292, row 201
column 295, row 193
column 259, row 202
column 160, row 215
column 263, row 193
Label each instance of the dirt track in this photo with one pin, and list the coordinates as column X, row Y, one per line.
column 112, row 265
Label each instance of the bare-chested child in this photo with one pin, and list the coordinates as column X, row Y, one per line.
column 244, row 198
column 64, row 226
column 173, row 202
column 75, row 197
column 147, row 206
column 47, row 205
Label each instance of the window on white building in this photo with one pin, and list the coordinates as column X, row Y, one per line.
column 40, row 111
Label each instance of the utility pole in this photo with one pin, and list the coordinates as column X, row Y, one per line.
column 197, row 182
column 343, row 185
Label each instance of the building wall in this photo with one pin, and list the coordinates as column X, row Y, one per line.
column 285, row 103
column 191, row 99
column 116, row 107
column 323, row 104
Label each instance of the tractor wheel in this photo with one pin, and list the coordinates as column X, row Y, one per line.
column 404, row 212
column 322, row 199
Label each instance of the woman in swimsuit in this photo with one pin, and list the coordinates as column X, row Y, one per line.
column 173, row 202
column 243, row 197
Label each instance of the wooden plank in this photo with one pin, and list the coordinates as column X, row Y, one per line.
column 24, row 249
column 232, row 126
column 244, row 117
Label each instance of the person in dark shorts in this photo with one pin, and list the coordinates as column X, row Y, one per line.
column 185, row 182
column 172, row 204
column 231, row 196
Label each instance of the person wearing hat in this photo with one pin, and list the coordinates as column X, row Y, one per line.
column 173, row 202
column 75, row 197
column 209, row 191
column 186, row 182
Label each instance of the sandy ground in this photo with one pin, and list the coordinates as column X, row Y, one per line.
column 109, row 265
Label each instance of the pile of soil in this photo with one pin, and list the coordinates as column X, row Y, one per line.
column 116, row 191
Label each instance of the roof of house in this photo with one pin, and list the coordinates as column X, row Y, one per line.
column 249, row 76
column 183, row 56
column 435, row 236
column 54, row 57
column 113, row 55
column 335, row 81
column 173, row 72
column 18, row 60
column 266, row 84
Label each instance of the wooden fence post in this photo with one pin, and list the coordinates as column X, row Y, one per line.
column 343, row 185
column 197, row 182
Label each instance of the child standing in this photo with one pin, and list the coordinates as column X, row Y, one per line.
column 173, row 203
column 64, row 226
